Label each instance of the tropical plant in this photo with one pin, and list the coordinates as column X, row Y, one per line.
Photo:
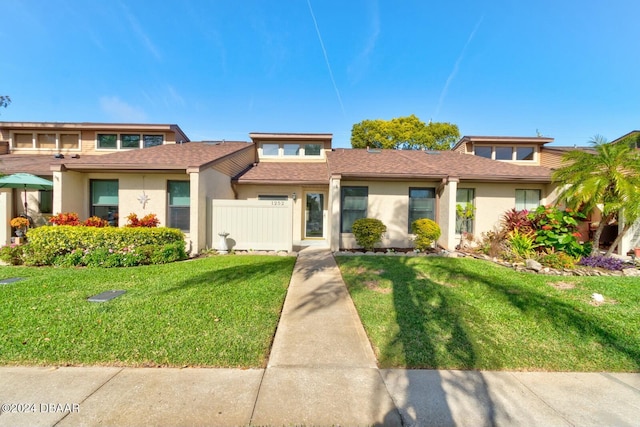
column 516, row 220
column 427, row 231
column 521, row 244
column 608, row 178
column 65, row 218
column 464, row 214
column 149, row 220
column 95, row 221
column 554, row 259
column 368, row 232
column 557, row 229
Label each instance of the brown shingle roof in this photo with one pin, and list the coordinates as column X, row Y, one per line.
column 37, row 164
column 162, row 157
column 285, row 173
column 409, row 164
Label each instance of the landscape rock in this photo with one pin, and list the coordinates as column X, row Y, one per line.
column 631, row 272
column 533, row 265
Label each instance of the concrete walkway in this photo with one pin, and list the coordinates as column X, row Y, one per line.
column 321, row 371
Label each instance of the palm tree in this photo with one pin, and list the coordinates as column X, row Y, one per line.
column 608, row 179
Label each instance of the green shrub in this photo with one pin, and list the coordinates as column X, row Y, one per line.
column 427, row 231
column 12, row 254
column 557, row 229
column 104, row 247
column 521, row 244
column 368, row 232
column 558, row 260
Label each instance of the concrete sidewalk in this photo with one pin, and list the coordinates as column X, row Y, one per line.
column 321, row 371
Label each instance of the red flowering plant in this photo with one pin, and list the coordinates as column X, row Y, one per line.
column 149, row 220
column 557, row 228
column 95, row 221
column 66, row 218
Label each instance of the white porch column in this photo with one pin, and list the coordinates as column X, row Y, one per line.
column 6, row 202
column 334, row 213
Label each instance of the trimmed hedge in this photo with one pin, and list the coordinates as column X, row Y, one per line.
column 426, row 231
column 109, row 246
column 368, row 232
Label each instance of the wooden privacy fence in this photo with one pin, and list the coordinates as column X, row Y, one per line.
column 252, row 224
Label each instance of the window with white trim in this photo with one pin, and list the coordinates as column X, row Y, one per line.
column 353, row 202
column 127, row 141
column 290, row 149
column 527, row 199
column 464, row 210
column 506, row 153
column 422, row 204
column 45, row 140
column 179, row 205
column 104, row 199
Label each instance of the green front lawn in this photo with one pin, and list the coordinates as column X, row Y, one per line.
column 218, row 311
column 469, row 314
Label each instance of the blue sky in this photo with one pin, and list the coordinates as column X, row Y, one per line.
column 220, row 69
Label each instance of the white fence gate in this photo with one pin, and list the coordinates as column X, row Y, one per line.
column 253, row 224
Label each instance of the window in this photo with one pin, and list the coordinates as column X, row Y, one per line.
column 108, row 140
column 354, row 206
column 291, row 149
column 46, row 201
column 152, row 140
column 272, row 197
column 270, row 149
column 129, row 141
column 422, row 202
column 504, row 153
column 464, row 210
column 104, row 199
column 527, row 199
column 483, row 152
column 179, row 205
column 312, row 149
column 69, row 141
column 524, row 153
column 46, row 141
column 22, row 140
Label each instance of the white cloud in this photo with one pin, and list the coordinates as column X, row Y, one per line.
column 456, row 66
column 137, row 29
column 120, row 111
column 361, row 63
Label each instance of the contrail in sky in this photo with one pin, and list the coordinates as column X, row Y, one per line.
column 326, row 58
column 445, row 89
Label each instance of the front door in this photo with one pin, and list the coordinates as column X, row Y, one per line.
column 314, row 216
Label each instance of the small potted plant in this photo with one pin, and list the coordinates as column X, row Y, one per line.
column 21, row 224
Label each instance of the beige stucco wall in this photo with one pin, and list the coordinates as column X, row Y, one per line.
column 492, row 200
column 70, row 194
column 206, row 185
column 388, row 202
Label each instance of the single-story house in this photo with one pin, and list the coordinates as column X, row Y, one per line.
column 277, row 191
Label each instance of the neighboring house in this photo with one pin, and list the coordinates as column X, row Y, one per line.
column 93, row 166
column 279, row 191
